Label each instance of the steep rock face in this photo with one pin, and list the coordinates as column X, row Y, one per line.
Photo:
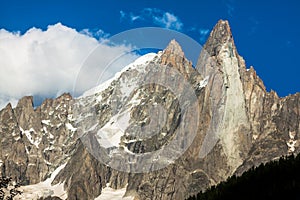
column 238, row 125
column 110, row 105
column 275, row 125
column 229, row 126
column 182, row 176
column 34, row 142
column 269, row 125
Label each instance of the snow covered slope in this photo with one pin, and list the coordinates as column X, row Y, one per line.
column 137, row 64
column 44, row 189
column 109, row 193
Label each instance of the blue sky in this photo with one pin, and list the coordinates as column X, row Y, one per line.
column 266, row 33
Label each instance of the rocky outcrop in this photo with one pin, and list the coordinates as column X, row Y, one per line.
column 275, row 126
column 268, row 130
column 35, row 141
column 168, row 66
column 229, row 127
column 227, row 122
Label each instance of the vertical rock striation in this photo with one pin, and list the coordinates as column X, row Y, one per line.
column 239, row 125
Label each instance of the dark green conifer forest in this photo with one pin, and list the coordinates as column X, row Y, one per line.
column 275, row 180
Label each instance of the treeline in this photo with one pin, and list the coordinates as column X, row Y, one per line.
column 275, row 180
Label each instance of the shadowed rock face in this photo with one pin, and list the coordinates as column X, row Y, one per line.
column 239, row 125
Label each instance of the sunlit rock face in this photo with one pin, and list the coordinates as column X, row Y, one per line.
column 226, row 120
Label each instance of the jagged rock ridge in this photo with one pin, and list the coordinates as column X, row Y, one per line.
column 240, row 125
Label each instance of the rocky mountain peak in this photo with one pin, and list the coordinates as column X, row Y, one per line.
column 240, row 125
column 220, row 35
column 219, row 52
column 223, row 29
column 174, row 48
column 173, row 56
column 8, row 107
column 25, row 102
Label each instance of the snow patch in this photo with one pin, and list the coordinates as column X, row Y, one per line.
column 291, row 145
column 138, row 62
column 30, row 138
column 70, row 117
column 292, row 135
column 47, row 162
column 93, row 127
column 44, row 189
column 51, row 136
column 47, row 122
column 110, row 134
column 80, row 117
column 163, row 134
column 98, row 88
column 126, row 89
column 144, row 59
column 70, row 127
column 49, row 148
column 132, row 140
column 45, row 129
column 109, row 193
column 196, row 171
column 204, row 82
column 26, row 149
column 292, row 142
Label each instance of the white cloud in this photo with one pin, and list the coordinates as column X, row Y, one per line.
column 46, row 63
column 132, row 17
column 122, row 15
column 156, row 16
column 98, row 34
column 168, row 20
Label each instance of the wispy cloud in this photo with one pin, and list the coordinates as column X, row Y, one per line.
column 122, row 15
column 134, row 17
column 98, row 34
column 129, row 16
column 203, row 34
column 156, row 16
column 168, row 20
column 164, row 19
column 230, row 7
column 254, row 23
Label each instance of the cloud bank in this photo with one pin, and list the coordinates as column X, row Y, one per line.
column 46, row 63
